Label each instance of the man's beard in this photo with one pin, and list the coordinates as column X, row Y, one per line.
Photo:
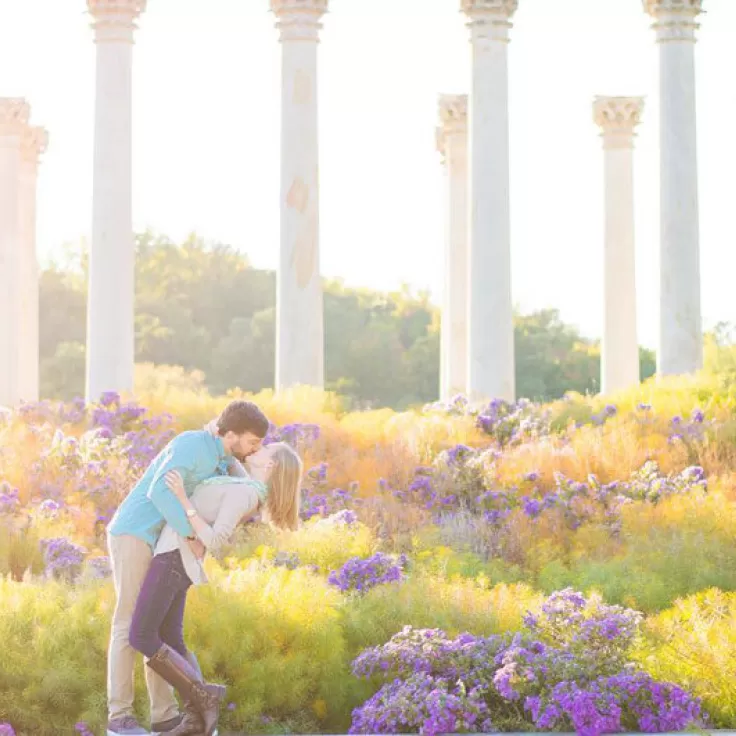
column 241, row 457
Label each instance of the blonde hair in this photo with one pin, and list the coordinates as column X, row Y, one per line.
column 284, row 487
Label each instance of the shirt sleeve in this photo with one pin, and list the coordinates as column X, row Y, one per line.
column 241, row 500
column 181, row 455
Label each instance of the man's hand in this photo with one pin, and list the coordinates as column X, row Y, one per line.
column 197, row 548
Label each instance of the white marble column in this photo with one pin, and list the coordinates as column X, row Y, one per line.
column 491, row 330
column 299, row 312
column 452, row 143
column 110, row 304
column 680, row 328
column 33, row 144
column 14, row 115
column 617, row 117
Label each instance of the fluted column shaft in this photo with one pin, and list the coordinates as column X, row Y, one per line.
column 491, row 332
column 680, row 327
column 110, row 305
column 33, row 144
column 14, row 115
column 299, row 301
column 617, row 117
column 452, row 142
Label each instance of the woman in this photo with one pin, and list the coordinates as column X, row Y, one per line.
column 214, row 510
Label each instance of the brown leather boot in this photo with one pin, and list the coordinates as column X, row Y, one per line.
column 191, row 723
column 188, row 682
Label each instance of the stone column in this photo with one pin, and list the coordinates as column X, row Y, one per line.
column 14, row 115
column 491, row 330
column 299, row 312
column 617, row 117
column 33, row 144
column 680, row 328
column 110, row 304
column 452, row 139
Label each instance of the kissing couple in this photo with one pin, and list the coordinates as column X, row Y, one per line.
column 187, row 503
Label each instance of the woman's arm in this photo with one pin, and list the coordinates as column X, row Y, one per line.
column 175, row 483
column 234, row 507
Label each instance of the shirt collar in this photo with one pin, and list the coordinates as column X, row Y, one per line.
column 218, row 444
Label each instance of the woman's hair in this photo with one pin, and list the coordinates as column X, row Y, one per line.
column 284, row 487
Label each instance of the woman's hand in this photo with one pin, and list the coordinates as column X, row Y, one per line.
column 175, row 484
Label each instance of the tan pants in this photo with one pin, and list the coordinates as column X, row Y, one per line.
column 129, row 559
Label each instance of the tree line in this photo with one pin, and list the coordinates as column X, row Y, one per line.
column 204, row 307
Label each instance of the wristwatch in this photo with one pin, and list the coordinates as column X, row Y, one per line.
column 191, row 512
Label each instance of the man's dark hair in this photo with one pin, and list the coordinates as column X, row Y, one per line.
column 241, row 417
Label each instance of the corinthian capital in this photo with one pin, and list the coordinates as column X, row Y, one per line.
column 617, row 117
column 299, row 20
column 489, row 20
column 114, row 20
column 14, row 115
column 453, row 120
column 33, row 143
column 674, row 20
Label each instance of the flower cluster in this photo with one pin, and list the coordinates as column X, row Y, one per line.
column 99, row 567
column 359, row 574
column 513, row 423
column 9, row 499
column 318, row 500
column 63, row 558
column 433, row 705
column 568, row 670
column 6, row 729
column 693, row 429
column 289, row 560
column 299, row 436
column 506, row 423
column 624, row 702
column 457, row 483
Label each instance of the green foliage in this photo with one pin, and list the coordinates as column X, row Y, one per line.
column 282, row 640
column 204, row 307
column 52, row 624
column 679, row 549
column 319, row 542
column 694, row 646
column 20, row 549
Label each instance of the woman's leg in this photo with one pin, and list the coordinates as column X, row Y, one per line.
column 160, row 589
column 201, row 698
column 171, row 630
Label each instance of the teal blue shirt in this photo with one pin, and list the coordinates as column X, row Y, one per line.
column 197, row 455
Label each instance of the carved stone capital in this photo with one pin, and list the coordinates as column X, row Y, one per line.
column 299, row 20
column 34, row 142
column 453, row 121
column 617, row 118
column 14, row 115
column 115, row 20
column 674, row 20
column 489, row 20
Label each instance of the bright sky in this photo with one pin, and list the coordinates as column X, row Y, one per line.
column 206, row 136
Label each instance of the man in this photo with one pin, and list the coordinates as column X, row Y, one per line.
column 132, row 535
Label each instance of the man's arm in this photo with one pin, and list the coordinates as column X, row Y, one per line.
column 181, row 456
